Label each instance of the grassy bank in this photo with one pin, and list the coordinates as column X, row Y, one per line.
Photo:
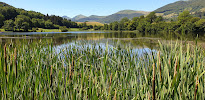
column 33, row 71
column 2, row 30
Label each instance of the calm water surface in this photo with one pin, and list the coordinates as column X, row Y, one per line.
column 139, row 42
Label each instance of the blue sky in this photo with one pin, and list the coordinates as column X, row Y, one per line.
column 72, row 8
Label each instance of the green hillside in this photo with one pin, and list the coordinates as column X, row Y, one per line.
column 16, row 19
column 194, row 6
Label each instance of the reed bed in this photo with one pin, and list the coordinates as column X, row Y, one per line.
column 36, row 71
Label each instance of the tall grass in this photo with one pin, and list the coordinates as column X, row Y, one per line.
column 93, row 72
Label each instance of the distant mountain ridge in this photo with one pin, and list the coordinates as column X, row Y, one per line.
column 66, row 17
column 110, row 18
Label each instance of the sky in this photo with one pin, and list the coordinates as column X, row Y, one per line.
column 72, row 8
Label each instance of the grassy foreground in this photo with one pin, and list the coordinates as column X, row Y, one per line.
column 32, row 71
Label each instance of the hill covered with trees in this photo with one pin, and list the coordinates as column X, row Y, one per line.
column 185, row 23
column 15, row 19
column 196, row 7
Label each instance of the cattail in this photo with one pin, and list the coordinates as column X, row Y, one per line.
column 170, row 61
column 175, row 68
column 15, row 61
column 72, row 61
column 11, row 60
column 70, row 68
column 153, row 83
column 5, row 60
column 115, row 96
column 196, row 87
column 148, row 95
column 160, row 70
column 110, row 79
column 51, row 72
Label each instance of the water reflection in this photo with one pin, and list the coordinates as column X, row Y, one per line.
column 59, row 40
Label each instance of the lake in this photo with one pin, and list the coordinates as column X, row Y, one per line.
column 136, row 41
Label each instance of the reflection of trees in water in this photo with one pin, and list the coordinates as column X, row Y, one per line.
column 134, row 39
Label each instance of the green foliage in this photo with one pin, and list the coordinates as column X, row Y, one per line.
column 9, row 25
column 8, row 12
column 1, row 20
column 48, row 24
column 82, row 71
column 179, row 6
column 184, row 17
column 22, row 22
column 153, row 24
column 200, row 24
column 25, row 20
column 63, row 28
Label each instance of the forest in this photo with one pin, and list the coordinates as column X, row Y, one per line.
column 14, row 19
column 185, row 23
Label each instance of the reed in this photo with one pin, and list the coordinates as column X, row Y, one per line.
column 82, row 71
column 196, row 87
column 5, row 60
column 153, row 83
column 15, row 61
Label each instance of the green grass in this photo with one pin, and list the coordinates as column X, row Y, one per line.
column 74, row 29
column 92, row 23
column 48, row 30
column 82, row 72
column 2, row 30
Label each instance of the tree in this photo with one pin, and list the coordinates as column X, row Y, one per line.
column 115, row 26
column 159, row 19
column 184, row 17
column 1, row 20
column 35, row 22
column 22, row 22
column 151, row 17
column 200, row 24
column 48, row 24
column 25, row 26
column 63, row 28
column 8, row 12
column 9, row 25
column 18, row 23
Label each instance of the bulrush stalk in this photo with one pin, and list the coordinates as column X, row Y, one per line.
column 72, row 62
column 160, row 70
column 5, row 60
column 175, row 67
column 110, row 79
column 196, row 87
column 115, row 96
column 70, row 68
column 51, row 77
column 15, row 61
column 153, row 83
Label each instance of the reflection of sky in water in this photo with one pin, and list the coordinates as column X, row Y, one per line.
column 100, row 44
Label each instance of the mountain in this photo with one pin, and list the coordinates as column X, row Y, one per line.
column 92, row 18
column 110, row 18
column 66, row 17
column 121, row 14
column 78, row 17
column 175, row 8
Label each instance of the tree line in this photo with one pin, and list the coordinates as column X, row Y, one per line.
column 185, row 23
column 13, row 19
